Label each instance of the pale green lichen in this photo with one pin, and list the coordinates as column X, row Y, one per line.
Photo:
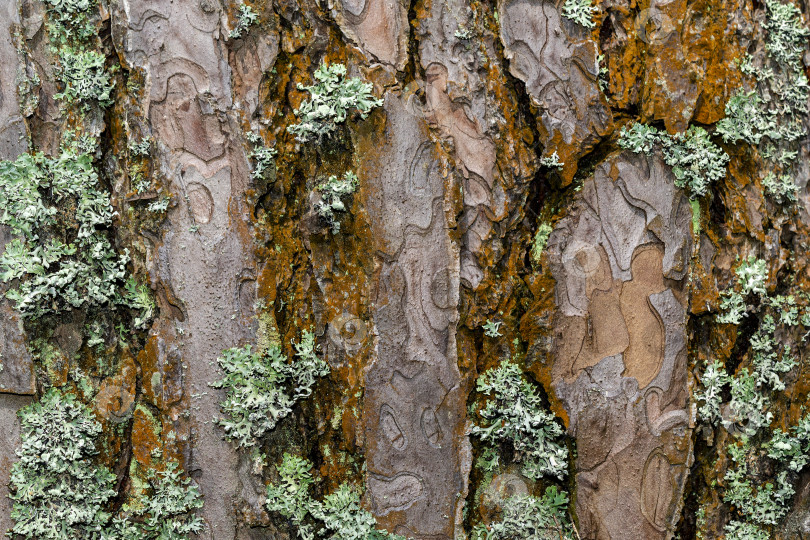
column 768, row 361
column 539, row 242
column 514, row 414
column 71, row 20
column 748, row 405
column 552, row 161
column 792, row 448
column 747, row 120
column 695, row 204
column 751, row 276
column 85, row 79
column 57, row 490
column 35, row 191
column 491, row 328
column 781, row 188
column 332, row 98
column 771, row 115
column 261, row 155
column 738, row 530
column 140, row 149
column 159, row 205
column 138, row 298
column 695, row 160
column 340, row 513
column 332, row 193
column 765, row 503
column 787, row 36
column 166, row 512
column 525, row 517
column 580, row 11
column 244, row 20
column 262, row 387
column 638, row 138
column 712, row 383
column 489, row 460
column 768, row 502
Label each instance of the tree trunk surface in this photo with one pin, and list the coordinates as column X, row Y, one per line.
column 464, row 246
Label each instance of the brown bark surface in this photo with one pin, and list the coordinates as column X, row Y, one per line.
column 613, row 323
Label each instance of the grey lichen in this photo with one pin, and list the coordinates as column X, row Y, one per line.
column 57, row 490
column 332, row 193
column 262, row 387
column 580, row 11
column 340, row 513
column 332, row 98
column 36, row 193
column 244, row 20
column 514, row 414
column 695, row 160
column 525, row 517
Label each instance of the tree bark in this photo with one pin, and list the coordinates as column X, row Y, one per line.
column 613, row 319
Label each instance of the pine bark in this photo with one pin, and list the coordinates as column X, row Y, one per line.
column 614, row 322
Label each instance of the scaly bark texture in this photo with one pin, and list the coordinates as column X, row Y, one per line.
column 500, row 215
